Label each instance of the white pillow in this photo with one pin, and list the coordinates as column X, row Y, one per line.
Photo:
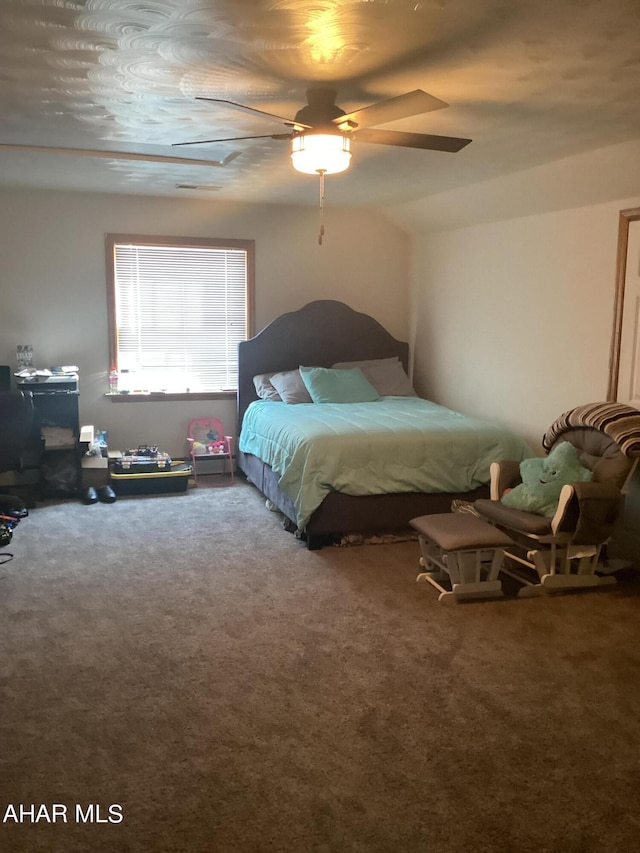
column 264, row 388
column 290, row 387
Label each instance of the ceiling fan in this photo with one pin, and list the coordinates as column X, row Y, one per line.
column 321, row 132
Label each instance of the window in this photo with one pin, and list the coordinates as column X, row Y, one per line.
column 178, row 308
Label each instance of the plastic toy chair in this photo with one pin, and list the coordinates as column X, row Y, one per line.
column 207, row 441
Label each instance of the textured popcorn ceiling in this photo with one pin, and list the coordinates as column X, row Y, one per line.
column 528, row 81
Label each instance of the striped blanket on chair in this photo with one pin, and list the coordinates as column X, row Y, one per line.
column 617, row 420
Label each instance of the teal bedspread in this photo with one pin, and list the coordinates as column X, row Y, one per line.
column 397, row 444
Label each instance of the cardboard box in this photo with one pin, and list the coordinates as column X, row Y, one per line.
column 95, row 469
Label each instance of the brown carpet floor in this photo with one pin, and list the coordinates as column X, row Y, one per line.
column 185, row 658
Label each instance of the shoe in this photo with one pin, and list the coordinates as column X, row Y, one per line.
column 13, row 506
column 106, row 495
column 16, row 512
column 90, row 496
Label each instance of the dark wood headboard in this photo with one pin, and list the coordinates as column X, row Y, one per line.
column 317, row 335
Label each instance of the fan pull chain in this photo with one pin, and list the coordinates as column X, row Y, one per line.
column 321, row 234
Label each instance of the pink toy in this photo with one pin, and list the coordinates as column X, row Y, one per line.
column 217, row 447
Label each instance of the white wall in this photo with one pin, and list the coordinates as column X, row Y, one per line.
column 513, row 313
column 513, row 320
column 52, row 268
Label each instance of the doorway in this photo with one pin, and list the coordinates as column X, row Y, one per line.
column 624, row 364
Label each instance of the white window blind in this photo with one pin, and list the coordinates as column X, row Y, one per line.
column 180, row 312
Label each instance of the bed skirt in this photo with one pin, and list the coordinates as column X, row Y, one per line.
column 340, row 514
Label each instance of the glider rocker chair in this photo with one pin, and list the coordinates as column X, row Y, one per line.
column 563, row 552
column 207, row 440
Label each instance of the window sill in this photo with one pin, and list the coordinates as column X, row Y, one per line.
column 162, row 397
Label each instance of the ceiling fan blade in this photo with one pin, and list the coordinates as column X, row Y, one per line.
column 288, row 121
column 119, row 155
column 411, row 140
column 233, row 139
column 410, row 104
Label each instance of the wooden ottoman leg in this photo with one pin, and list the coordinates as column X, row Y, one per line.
column 471, row 583
column 463, row 550
column 431, row 559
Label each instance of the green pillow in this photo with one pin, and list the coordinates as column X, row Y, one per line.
column 326, row 385
column 543, row 479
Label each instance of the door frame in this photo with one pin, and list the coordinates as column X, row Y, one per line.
column 631, row 214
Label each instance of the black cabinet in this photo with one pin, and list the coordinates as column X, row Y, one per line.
column 20, row 446
column 55, row 401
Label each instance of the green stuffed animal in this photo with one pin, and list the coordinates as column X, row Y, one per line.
column 543, row 479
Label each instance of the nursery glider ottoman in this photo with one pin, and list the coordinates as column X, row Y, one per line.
column 461, row 550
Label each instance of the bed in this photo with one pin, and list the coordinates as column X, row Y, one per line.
column 308, row 459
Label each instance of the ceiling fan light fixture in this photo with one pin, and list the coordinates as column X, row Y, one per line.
column 320, row 153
